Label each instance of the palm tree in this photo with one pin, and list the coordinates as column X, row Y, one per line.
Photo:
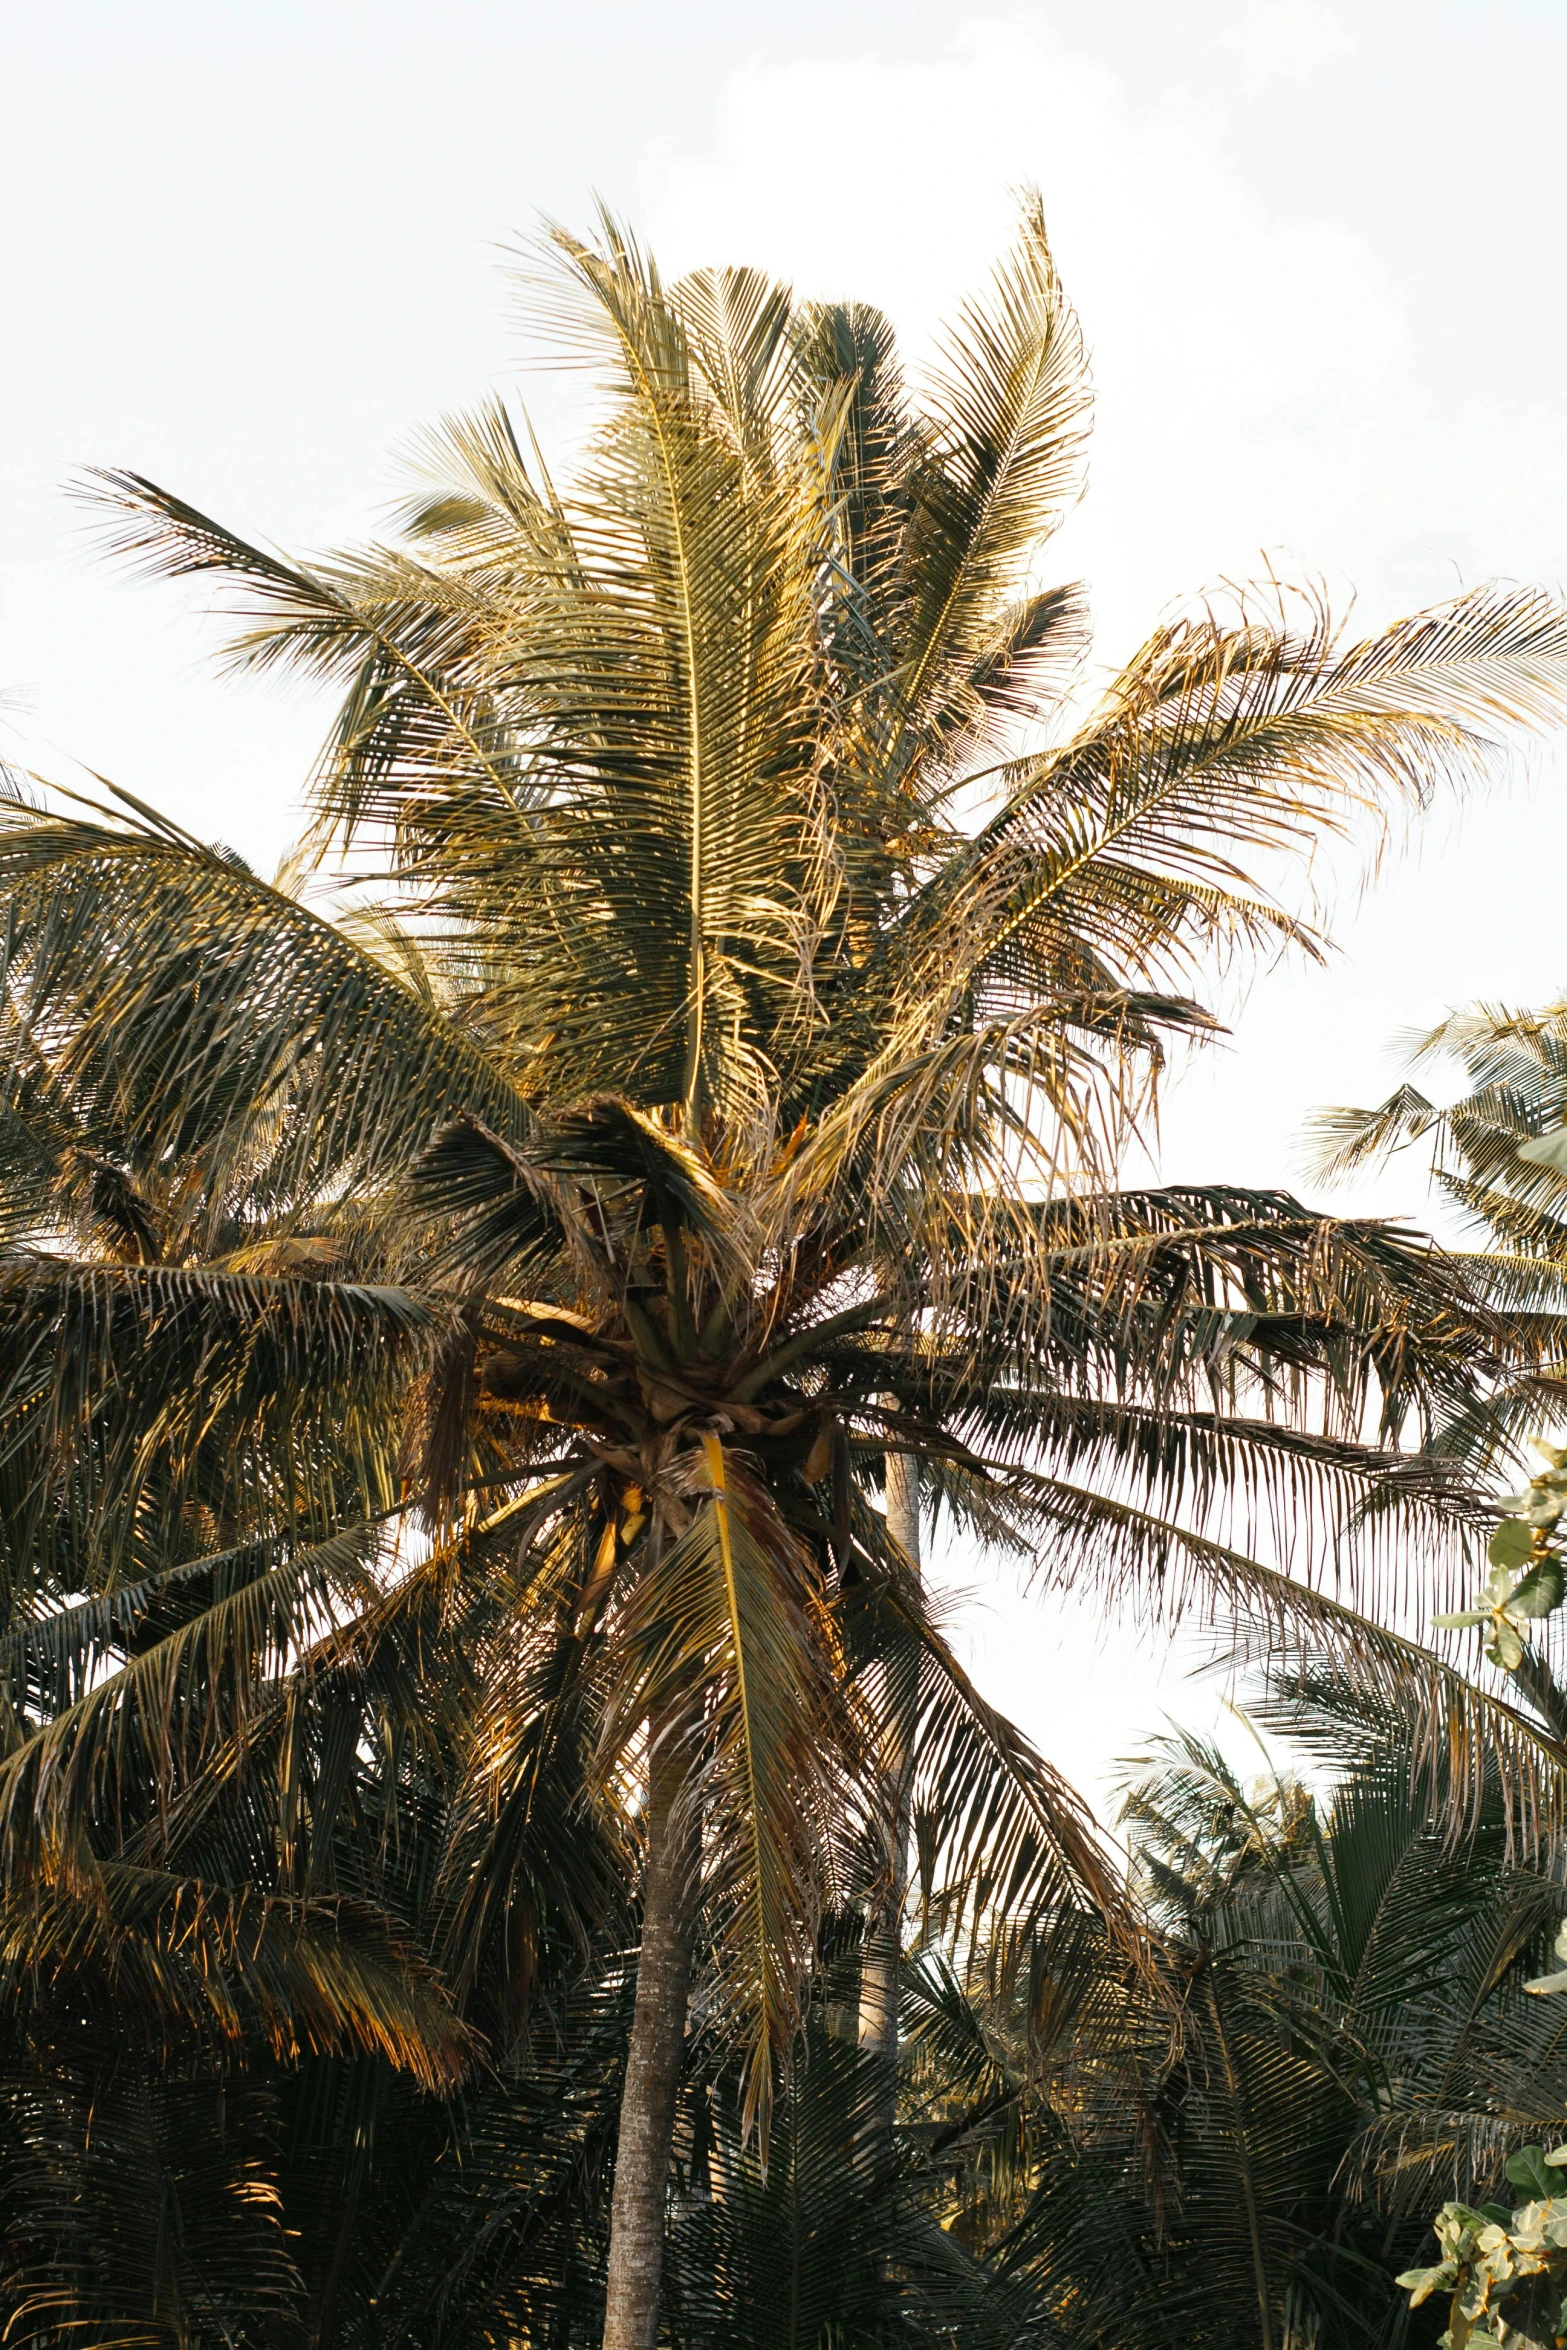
column 749, row 954
column 1349, row 1986
column 182, row 1511
column 1496, row 1158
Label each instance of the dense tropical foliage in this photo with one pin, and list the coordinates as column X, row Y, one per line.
column 1353, row 2037
column 487, row 1313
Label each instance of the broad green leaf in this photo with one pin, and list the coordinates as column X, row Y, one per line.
column 1421, row 2283
column 1511, row 1544
column 1526, row 2168
column 1547, row 1150
column 1540, row 1591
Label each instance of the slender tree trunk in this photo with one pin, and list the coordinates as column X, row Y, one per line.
column 879, row 1968
column 658, row 2031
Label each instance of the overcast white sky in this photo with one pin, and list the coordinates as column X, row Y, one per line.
column 1318, row 254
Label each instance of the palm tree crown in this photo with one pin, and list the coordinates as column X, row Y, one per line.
column 456, row 1335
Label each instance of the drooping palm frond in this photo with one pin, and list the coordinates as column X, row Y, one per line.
column 193, row 1960
column 1003, row 1842
column 734, row 1607
column 1466, row 1740
column 167, row 981
column 146, row 1407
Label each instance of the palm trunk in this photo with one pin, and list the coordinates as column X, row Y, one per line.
column 658, row 2031
column 879, row 1968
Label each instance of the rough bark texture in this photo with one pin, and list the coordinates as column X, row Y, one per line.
column 658, row 2030
column 884, row 1939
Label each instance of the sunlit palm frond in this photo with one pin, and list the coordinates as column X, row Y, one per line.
column 232, row 1018
column 1006, row 409
column 1490, row 1151
column 1229, row 742
column 193, row 1958
column 729, row 1644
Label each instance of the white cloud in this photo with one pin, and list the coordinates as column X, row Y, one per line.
column 1288, row 36
column 1246, row 365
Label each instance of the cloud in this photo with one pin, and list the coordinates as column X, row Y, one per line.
column 1287, row 37
column 1250, row 368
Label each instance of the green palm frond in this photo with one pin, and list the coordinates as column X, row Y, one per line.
column 193, row 1958
column 1489, row 1151
column 139, row 2203
column 735, row 1604
column 202, row 998
column 1006, row 410
column 141, row 1689
column 836, row 2237
column 1221, row 741
column 1003, row 1840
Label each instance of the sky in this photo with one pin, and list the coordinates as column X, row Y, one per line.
column 1317, row 252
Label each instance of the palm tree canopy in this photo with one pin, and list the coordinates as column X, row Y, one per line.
column 455, row 1321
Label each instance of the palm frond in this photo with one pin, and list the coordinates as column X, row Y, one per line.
column 736, row 1603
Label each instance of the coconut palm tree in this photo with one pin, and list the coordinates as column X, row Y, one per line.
column 752, row 945
column 1496, row 1158
column 1353, row 2034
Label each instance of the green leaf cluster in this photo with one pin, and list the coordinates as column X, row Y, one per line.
column 1528, row 1574
column 1506, row 2269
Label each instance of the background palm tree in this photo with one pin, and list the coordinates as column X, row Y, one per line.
column 1354, row 2041
column 747, row 960
column 1495, row 1156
